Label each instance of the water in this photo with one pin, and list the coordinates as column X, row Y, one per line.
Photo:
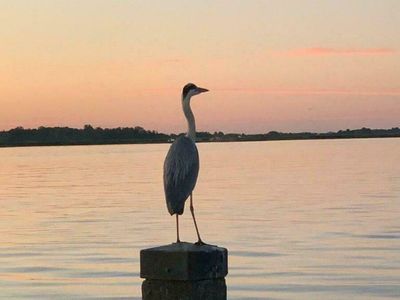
column 302, row 219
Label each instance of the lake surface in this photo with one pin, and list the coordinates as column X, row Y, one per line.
column 301, row 219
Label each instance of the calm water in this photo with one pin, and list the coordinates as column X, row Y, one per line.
column 302, row 219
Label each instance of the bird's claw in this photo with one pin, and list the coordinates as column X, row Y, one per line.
column 200, row 243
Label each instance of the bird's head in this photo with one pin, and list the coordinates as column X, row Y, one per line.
column 191, row 89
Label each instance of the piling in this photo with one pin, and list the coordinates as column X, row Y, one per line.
column 184, row 271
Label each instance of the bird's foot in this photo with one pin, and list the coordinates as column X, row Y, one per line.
column 200, row 243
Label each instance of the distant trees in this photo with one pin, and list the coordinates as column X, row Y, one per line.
column 126, row 135
column 73, row 136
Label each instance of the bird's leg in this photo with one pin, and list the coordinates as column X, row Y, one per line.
column 177, row 229
column 199, row 242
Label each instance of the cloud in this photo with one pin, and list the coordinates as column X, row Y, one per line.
column 323, row 51
column 386, row 92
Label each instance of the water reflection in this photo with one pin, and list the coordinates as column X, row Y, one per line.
column 302, row 219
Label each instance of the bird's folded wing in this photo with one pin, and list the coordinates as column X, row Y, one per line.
column 181, row 168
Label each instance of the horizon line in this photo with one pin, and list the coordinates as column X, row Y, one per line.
column 214, row 131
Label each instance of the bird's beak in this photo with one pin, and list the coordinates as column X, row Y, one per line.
column 201, row 90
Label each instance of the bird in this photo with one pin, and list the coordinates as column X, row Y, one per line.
column 181, row 165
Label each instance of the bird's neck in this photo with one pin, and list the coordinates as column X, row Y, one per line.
column 191, row 133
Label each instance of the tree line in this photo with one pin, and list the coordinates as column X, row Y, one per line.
column 88, row 135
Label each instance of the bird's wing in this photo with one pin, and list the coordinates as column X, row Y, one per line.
column 181, row 168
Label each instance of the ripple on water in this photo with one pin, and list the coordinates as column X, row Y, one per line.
column 301, row 219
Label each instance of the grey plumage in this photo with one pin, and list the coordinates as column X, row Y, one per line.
column 181, row 168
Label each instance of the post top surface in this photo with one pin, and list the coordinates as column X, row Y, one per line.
column 185, row 247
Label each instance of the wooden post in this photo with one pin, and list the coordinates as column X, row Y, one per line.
column 184, row 271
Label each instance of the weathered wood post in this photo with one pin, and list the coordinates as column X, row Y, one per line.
column 184, row 271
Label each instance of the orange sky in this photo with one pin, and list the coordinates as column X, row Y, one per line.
column 270, row 65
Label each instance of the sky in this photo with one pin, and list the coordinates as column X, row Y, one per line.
column 269, row 65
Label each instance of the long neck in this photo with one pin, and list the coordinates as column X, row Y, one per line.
column 191, row 133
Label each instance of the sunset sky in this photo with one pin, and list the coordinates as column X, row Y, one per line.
column 270, row 65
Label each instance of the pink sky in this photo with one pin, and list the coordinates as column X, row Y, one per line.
column 270, row 65
column 317, row 51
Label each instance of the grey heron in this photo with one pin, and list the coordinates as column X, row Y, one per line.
column 181, row 165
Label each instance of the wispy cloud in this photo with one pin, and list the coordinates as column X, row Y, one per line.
column 386, row 92
column 324, row 51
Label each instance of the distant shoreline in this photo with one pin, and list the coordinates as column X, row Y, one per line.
column 65, row 136
column 166, row 142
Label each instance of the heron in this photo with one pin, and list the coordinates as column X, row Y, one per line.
column 181, row 165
